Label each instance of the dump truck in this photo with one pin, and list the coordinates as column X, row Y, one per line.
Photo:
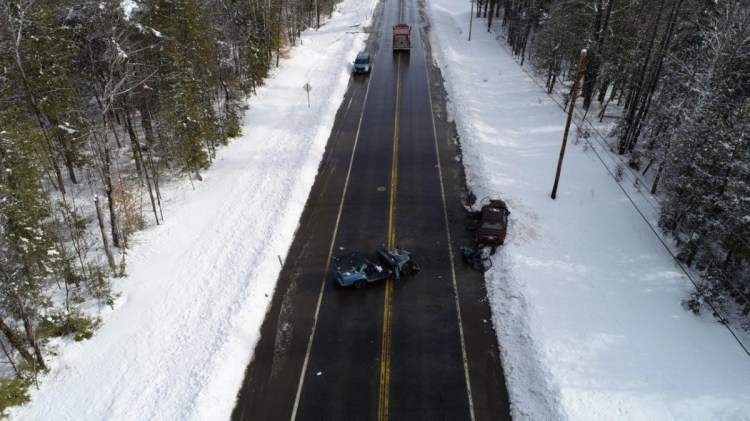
column 401, row 37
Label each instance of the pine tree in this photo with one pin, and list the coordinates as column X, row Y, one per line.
column 29, row 250
column 44, row 65
column 186, row 78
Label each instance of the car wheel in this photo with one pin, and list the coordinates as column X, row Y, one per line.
column 359, row 284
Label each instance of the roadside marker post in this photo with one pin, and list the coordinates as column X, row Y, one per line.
column 307, row 88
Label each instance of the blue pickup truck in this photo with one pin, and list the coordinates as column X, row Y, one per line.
column 353, row 269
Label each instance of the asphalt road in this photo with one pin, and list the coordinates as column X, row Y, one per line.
column 420, row 348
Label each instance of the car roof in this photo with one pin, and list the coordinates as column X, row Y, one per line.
column 348, row 262
column 493, row 214
column 363, row 54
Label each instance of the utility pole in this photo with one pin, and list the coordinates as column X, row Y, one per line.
column 471, row 18
column 567, row 124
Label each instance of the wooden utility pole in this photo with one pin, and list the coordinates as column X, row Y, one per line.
column 570, row 117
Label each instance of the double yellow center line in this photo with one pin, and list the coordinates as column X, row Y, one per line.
column 385, row 351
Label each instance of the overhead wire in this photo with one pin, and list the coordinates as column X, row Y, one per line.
column 724, row 320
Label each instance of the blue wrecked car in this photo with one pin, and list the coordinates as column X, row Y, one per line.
column 354, row 270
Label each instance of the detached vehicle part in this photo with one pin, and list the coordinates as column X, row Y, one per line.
column 476, row 259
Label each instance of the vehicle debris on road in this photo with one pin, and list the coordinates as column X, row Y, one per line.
column 476, row 259
column 353, row 269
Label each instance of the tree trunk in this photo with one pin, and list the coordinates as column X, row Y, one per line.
column 139, row 158
column 105, row 240
column 603, row 91
column 31, row 98
column 594, row 62
column 525, row 41
column 28, row 327
column 68, row 154
column 645, row 105
column 16, row 342
column 114, row 220
column 9, row 357
column 491, row 13
column 632, row 105
column 655, row 185
column 134, row 147
column 110, row 117
column 148, row 129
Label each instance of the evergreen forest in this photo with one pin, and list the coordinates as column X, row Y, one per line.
column 101, row 101
column 674, row 75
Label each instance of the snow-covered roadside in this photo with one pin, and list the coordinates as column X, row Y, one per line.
column 586, row 301
column 183, row 331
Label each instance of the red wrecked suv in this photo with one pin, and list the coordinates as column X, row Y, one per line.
column 490, row 224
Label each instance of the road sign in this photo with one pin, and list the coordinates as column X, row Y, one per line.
column 307, row 88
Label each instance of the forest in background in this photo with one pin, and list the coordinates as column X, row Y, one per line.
column 99, row 106
column 101, row 102
column 675, row 75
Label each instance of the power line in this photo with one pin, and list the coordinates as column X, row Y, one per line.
column 723, row 320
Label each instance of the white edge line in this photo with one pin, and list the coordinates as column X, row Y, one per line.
column 328, row 260
column 450, row 250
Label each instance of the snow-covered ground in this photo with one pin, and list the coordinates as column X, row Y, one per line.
column 585, row 298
